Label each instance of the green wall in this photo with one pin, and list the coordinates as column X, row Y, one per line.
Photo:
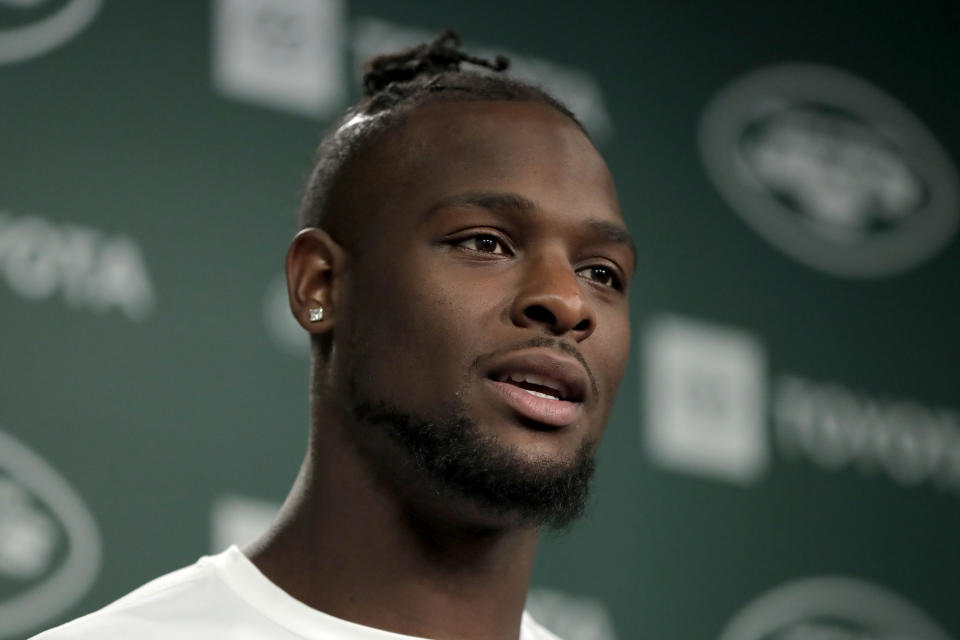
column 784, row 457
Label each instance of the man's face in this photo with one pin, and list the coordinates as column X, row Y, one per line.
column 489, row 295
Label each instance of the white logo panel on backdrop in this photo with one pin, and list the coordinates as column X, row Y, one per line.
column 41, row 259
column 239, row 520
column 830, row 170
column 47, row 32
column 705, row 399
column 286, row 54
column 707, row 396
column 49, row 542
column 290, row 55
column 837, row 608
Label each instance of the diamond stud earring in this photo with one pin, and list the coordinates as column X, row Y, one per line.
column 316, row 314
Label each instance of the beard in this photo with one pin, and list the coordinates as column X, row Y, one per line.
column 459, row 462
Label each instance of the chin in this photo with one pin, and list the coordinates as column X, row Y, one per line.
column 491, row 470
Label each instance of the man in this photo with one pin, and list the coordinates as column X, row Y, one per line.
column 463, row 271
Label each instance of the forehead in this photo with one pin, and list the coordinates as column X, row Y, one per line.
column 445, row 148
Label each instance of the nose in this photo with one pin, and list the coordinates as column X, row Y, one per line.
column 551, row 298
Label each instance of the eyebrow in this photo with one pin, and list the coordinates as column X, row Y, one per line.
column 512, row 202
column 614, row 233
column 492, row 200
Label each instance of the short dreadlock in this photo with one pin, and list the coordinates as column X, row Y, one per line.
column 394, row 85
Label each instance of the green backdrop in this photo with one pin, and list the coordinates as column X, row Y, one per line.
column 784, row 457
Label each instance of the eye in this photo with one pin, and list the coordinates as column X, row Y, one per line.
column 603, row 275
column 484, row 243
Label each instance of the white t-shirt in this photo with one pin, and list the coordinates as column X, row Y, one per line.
column 225, row 597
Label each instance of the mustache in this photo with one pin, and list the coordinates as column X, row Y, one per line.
column 539, row 342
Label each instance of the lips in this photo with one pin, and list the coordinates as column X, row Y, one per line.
column 541, row 387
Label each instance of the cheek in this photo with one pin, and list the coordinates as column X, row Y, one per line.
column 412, row 341
column 616, row 351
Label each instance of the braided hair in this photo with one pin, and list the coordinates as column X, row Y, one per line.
column 394, row 85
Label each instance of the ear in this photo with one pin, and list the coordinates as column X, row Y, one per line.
column 316, row 265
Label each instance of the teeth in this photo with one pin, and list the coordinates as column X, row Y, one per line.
column 540, row 395
column 533, row 378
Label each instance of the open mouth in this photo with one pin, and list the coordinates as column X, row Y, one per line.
column 535, row 385
column 541, row 386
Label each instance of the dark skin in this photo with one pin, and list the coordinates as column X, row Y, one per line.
column 484, row 225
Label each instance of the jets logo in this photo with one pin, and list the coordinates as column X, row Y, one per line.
column 49, row 543
column 30, row 28
column 831, row 170
column 832, row 607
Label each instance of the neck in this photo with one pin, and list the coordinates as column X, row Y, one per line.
column 347, row 545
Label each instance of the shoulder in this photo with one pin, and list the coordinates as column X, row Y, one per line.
column 149, row 612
